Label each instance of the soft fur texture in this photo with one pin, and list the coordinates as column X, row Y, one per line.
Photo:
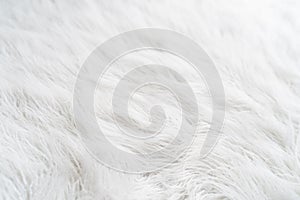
column 255, row 45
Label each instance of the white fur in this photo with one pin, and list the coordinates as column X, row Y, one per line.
column 255, row 45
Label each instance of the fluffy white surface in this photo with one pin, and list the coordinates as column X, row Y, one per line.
column 256, row 47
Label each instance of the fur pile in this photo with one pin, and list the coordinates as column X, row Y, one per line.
column 255, row 45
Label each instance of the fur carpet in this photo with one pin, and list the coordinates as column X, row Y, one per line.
column 255, row 45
